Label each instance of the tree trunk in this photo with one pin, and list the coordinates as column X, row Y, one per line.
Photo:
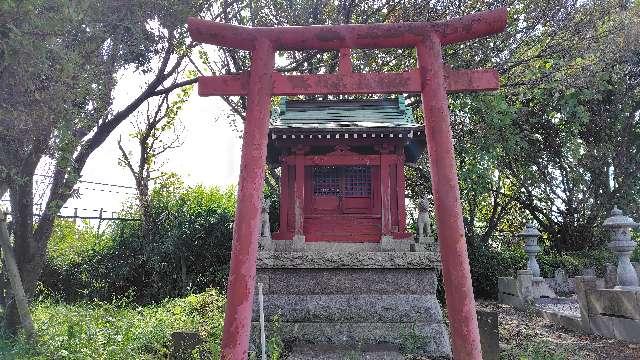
column 28, row 253
column 21, row 300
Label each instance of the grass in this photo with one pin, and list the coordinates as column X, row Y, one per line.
column 538, row 350
column 95, row 330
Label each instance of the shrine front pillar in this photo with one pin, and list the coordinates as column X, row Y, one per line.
column 385, row 194
column 448, row 209
column 284, row 197
column 298, row 207
column 400, row 181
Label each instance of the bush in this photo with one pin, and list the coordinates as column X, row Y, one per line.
column 488, row 263
column 72, row 244
column 96, row 330
column 188, row 250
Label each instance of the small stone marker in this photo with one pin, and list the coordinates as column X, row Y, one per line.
column 561, row 281
column 489, row 335
column 183, row 343
column 588, row 272
column 561, row 276
column 610, row 276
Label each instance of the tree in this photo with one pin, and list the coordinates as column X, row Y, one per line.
column 155, row 132
column 154, row 139
column 60, row 65
column 580, row 128
column 515, row 159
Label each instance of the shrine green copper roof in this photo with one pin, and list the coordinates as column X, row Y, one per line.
column 388, row 112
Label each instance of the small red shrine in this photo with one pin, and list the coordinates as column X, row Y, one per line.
column 342, row 161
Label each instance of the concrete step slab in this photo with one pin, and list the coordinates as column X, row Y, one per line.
column 320, row 352
column 431, row 339
column 347, row 281
column 352, row 308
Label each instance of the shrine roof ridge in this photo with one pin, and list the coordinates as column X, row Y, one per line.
column 368, row 113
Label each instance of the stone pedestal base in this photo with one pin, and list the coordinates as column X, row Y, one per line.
column 353, row 299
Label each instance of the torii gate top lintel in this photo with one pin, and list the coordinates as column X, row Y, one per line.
column 433, row 79
column 333, row 37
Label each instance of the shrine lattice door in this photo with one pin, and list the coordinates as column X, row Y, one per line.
column 343, row 204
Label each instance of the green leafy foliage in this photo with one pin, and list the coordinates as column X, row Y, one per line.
column 188, row 250
column 72, row 244
column 111, row 331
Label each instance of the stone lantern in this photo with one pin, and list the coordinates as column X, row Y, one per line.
column 622, row 245
column 530, row 234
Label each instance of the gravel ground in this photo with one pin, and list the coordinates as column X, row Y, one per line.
column 567, row 306
column 528, row 336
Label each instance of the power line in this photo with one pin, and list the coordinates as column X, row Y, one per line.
column 91, row 217
column 103, row 190
column 93, row 182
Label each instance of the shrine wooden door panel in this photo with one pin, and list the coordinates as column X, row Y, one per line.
column 341, row 204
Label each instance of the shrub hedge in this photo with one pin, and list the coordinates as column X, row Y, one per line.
column 188, row 250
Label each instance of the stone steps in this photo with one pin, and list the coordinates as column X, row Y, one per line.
column 353, row 335
column 315, row 352
column 353, row 308
column 352, row 300
column 347, row 281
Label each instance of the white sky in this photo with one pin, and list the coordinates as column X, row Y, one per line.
column 209, row 155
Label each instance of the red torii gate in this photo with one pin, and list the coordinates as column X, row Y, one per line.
column 432, row 79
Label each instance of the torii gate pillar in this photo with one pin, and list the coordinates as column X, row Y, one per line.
column 446, row 197
column 431, row 79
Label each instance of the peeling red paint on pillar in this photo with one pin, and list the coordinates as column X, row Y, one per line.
column 448, row 209
column 237, row 321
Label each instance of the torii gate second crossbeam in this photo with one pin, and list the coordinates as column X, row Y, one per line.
column 432, row 79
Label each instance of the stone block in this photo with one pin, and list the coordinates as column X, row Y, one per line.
column 183, row 343
column 507, row 285
column 514, row 292
column 602, row 325
column 626, row 329
column 540, row 289
column 611, row 276
column 584, row 286
column 347, row 281
column 265, row 243
column 319, row 352
column 615, row 302
column 489, row 335
column 433, row 338
column 513, row 301
column 352, row 308
column 567, row 321
column 524, row 282
column 353, row 260
column 330, row 246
